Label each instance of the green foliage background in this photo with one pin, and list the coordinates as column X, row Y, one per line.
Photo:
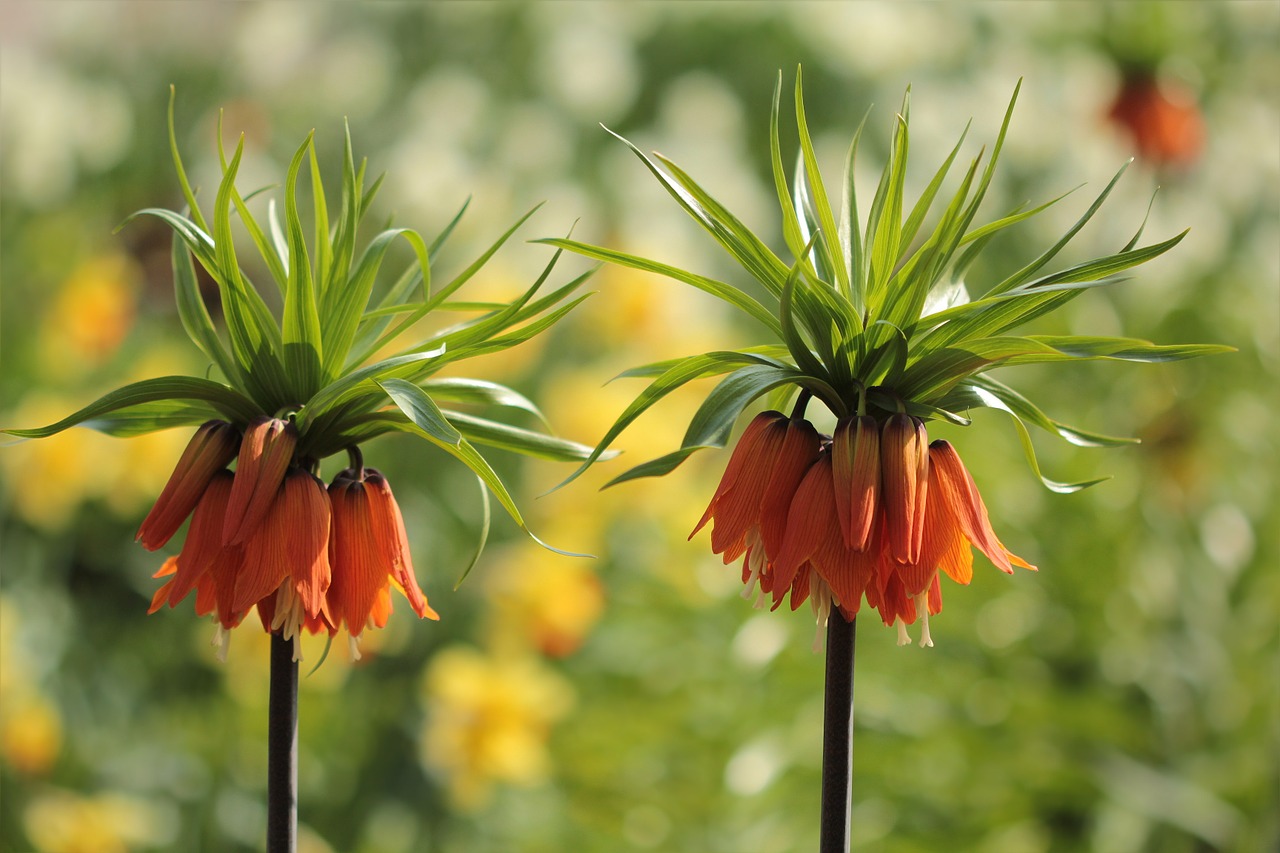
column 1124, row 698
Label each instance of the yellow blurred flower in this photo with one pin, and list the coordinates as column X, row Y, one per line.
column 66, row 822
column 52, row 477
column 30, row 726
column 30, row 732
column 93, row 312
column 543, row 599
column 489, row 719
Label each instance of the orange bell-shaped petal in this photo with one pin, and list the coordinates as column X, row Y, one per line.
column 292, row 543
column 393, row 541
column 811, row 523
column 952, row 483
column 203, row 546
column 801, row 447
column 855, row 457
column 735, row 507
column 265, row 455
column 368, row 550
column 210, row 450
column 904, row 483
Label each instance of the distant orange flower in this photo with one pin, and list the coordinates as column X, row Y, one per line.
column 877, row 512
column 369, row 552
column 1161, row 118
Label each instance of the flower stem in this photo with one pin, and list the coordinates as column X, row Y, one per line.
column 837, row 735
column 282, row 749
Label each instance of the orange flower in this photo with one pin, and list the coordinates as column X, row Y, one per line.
column 751, row 503
column 368, row 552
column 211, row 449
column 265, row 455
column 875, row 512
column 1161, row 118
column 283, row 568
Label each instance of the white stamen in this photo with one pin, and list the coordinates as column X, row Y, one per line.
column 353, row 644
column 922, row 607
column 755, row 561
column 221, row 641
column 904, row 639
column 288, row 618
column 820, row 600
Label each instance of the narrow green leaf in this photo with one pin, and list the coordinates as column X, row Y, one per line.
column 359, row 382
column 177, row 164
column 303, row 346
column 480, row 392
column 726, row 292
column 1028, row 411
column 193, row 313
column 233, row 405
column 1028, row 449
column 523, row 441
column 485, row 519
column 421, row 410
column 822, row 206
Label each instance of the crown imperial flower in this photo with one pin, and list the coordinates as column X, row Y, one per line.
column 873, row 319
column 288, row 389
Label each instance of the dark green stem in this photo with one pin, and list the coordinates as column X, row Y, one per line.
column 837, row 735
column 282, row 749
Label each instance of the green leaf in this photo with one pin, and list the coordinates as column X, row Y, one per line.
column 485, row 518
column 1124, row 349
column 233, row 405
column 303, row 347
column 523, row 441
column 992, row 401
column 826, row 219
column 177, row 164
column 731, row 234
column 194, row 314
column 1032, row 268
column 147, row 418
column 425, row 420
column 726, row 292
column 682, row 372
column 480, row 392
column 1028, row 411
column 712, row 424
column 359, row 382
column 422, row 411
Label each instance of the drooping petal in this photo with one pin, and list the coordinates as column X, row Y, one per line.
column 849, row 572
column 204, row 537
column 210, row 450
column 161, row 596
column 746, row 453
column 800, row 448
column 957, row 488
column 358, row 568
column 811, row 521
column 393, row 541
column 855, row 450
column 291, row 542
column 737, row 511
column 904, row 483
column 265, row 454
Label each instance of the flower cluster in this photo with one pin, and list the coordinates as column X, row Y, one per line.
column 271, row 536
column 321, row 375
column 873, row 510
column 873, row 319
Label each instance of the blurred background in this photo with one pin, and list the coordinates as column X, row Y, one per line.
column 1124, row 698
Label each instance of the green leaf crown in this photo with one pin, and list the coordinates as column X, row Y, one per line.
column 877, row 319
column 324, row 362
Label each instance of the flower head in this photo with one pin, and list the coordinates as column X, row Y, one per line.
column 370, row 553
column 325, row 374
column 872, row 319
